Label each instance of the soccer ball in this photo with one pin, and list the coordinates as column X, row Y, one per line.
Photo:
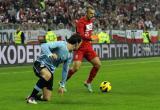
column 105, row 86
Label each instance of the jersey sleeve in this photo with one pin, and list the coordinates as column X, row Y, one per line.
column 80, row 28
column 65, row 71
column 47, row 47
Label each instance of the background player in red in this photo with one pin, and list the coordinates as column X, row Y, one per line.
column 84, row 27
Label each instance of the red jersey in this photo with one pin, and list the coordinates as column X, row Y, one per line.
column 85, row 27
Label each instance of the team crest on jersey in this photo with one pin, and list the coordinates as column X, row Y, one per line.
column 89, row 27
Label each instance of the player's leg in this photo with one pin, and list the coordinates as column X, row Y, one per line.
column 77, row 61
column 96, row 66
column 91, row 56
column 44, row 76
column 47, row 90
column 75, row 67
column 46, row 94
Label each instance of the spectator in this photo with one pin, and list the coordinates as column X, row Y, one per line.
column 50, row 36
column 19, row 37
column 120, row 14
column 103, row 37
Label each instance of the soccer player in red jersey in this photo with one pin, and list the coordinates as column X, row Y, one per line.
column 84, row 26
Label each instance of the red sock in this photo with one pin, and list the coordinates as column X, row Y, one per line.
column 70, row 73
column 93, row 73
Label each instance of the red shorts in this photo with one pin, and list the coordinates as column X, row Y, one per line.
column 87, row 53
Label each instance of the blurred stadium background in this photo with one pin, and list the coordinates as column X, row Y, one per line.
column 133, row 72
column 111, row 14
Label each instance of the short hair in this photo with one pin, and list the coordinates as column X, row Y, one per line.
column 74, row 39
column 89, row 7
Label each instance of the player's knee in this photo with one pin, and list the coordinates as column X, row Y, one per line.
column 98, row 65
column 76, row 66
column 76, row 69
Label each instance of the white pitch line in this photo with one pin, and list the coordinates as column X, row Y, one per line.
column 86, row 66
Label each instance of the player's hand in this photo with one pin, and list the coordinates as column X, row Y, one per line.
column 54, row 56
column 61, row 90
column 94, row 40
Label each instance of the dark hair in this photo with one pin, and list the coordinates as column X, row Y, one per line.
column 74, row 39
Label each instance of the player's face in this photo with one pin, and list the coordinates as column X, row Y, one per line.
column 90, row 13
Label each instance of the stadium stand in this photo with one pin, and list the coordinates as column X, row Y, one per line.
column 117, row 14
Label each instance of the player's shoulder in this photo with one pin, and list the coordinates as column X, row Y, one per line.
column 62, row 42
column 58, row 43
column 82, row 19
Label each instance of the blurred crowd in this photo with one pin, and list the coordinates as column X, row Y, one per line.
column 110, row 14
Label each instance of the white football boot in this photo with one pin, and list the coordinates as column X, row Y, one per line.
column 88, row 86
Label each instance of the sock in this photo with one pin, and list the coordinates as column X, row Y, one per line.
column 39, row 97
column 92, row 74
column 70, row 73
column 39, row 85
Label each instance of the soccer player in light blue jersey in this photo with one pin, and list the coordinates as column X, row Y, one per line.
column 52, row 54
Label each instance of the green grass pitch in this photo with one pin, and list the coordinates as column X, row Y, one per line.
column 135, row 86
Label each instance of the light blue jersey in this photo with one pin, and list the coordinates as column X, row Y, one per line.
column 64, row 56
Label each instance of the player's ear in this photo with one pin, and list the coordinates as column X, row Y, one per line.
column 75, row 45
